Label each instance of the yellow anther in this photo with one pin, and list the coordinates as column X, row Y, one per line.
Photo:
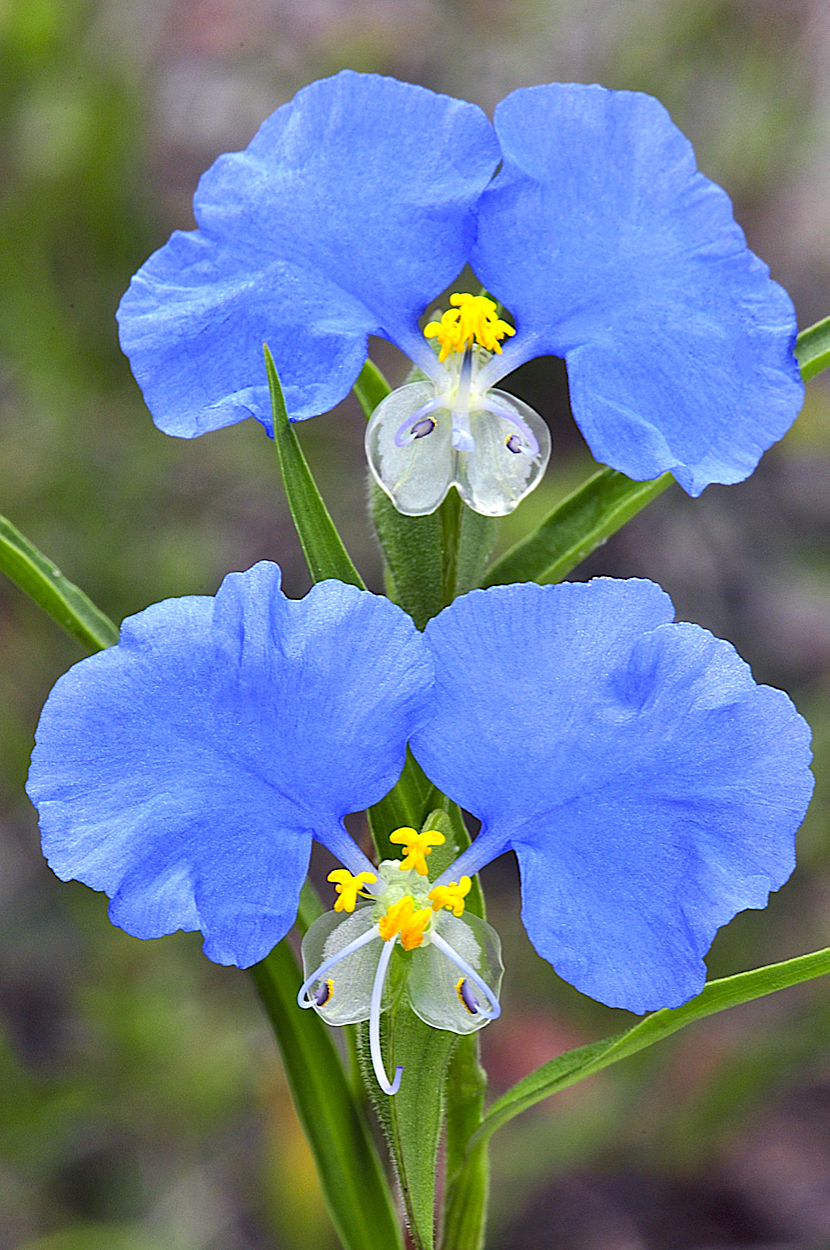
column 450, row 896
column 401, row 918
column 418, row 846
column 348, row 887
column 471, row 319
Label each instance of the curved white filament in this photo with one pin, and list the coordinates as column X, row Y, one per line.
column 461, row 964
column 388, row 1087
column 327, row 964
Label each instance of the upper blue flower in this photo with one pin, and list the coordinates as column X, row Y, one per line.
column 580, row 209
column 649, row 788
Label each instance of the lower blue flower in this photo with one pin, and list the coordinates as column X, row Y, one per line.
column 648, row 786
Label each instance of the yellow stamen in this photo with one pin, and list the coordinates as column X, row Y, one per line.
column 418, row 846
column 401, row 918
column 450, row 896
column 348, row 887
column 472, row 319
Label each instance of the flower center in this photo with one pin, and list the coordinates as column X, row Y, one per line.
column 452, row 428
column 467, row 334
column 471, row 319
column 410, row 910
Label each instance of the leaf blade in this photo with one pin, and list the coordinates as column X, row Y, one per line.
column 575, row 1065
column 46, row 585
column 812, row 349
column 579, row 524
column 323, row 548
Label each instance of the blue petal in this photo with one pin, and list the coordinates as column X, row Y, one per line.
column 349, row 211
column 611, row 250
column 186, row 770
column 649, row 787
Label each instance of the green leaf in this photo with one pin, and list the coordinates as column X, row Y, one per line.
column 338, row 1133
column 371, row 388
column 576, row 1065
column 43, row 582
column 812, row 349
column 583, row 521
column 413, row 1118
column 322, row 545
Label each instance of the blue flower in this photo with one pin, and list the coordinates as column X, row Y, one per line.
column 649, row 788
column 579, row 209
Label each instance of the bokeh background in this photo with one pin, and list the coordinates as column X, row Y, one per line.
column 141, row 1101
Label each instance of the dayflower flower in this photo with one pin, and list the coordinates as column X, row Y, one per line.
column 649, row 788
column 580, row 210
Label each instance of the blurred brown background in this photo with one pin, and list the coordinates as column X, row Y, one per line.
column 141, row 1102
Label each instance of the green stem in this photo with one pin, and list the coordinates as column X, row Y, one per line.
column 468, row 1173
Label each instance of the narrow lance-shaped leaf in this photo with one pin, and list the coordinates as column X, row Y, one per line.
column 322, row 546
column 575, row 1065
column 43, row 582
column 812, row 349
column 576, row 527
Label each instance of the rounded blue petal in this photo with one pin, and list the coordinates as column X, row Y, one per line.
column 649, row 787
column 186, row 770
column 613, row 251
column 349, row 211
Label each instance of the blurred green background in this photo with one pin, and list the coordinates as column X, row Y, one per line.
column 141, row 1101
